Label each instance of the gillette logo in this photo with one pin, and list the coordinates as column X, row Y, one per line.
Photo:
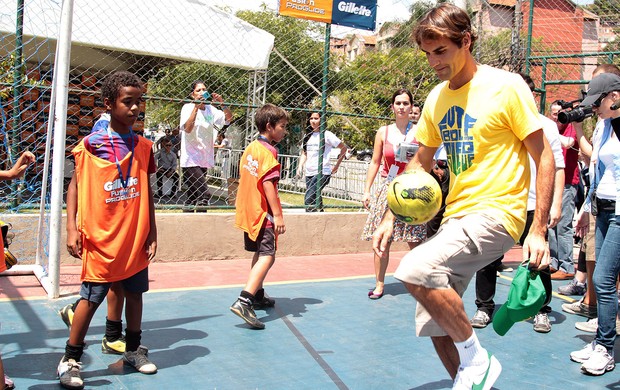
column 116, row 184
column 352, row 8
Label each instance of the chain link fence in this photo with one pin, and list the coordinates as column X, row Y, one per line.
column 254, row 56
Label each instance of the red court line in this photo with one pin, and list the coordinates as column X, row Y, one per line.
column 213, row 273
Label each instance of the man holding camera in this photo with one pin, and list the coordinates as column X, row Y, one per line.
column 561, row 236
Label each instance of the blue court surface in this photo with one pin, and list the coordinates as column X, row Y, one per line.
column 323, row 334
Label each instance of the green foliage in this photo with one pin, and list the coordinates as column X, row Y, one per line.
column 171, row 86
column 607, row 10
column 372, row 79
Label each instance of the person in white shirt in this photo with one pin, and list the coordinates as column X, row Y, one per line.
column 199, row 122
column 310, row 160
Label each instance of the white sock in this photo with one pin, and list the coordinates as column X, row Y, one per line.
column 471, row 352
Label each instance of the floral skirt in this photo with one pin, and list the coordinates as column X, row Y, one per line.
column 378, row 207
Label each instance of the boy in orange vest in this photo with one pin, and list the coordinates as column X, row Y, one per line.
column 111, row 223
column 16, row 171
column 258, row 209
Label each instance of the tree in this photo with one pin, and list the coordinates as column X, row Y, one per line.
column 367, row 84
column 607, row 10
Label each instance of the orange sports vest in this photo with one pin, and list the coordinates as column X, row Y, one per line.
column 114, row 227
column 251, row 204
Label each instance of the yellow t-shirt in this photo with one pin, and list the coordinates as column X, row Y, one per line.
column 482, row 125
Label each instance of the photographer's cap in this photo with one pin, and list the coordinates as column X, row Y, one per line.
column 601, row 84
column 526, row 297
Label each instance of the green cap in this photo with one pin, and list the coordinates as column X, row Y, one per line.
column 525, row 298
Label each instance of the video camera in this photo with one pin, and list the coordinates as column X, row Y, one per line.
column 576, row 114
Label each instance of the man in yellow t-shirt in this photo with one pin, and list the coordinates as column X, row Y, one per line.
column 488, row 122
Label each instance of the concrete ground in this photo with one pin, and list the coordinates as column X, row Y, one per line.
column 323, row 333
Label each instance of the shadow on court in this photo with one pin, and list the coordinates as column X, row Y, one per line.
column 321, row 335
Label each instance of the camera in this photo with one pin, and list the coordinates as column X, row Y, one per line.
column 577, row 114
column 564, row 104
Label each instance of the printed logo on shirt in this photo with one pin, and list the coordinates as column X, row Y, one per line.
column 119, row 193
column 454, row 128
column 251, row 165
column 97, row 146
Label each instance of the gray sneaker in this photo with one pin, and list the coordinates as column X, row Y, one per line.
column 541, row 323
column 591, row 326
column 480, row 320
column 247, row 314
column 69, row 374
column 139, row 360
column 573, row 288
column 579, row 309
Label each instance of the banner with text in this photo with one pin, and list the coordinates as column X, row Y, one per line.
column 360, row 14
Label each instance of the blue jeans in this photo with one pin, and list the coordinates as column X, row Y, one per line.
column 310, row 198
column 607, row 252
column 561, row 236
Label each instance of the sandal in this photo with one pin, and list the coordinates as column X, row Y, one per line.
column 372, row 295
column 8, row 383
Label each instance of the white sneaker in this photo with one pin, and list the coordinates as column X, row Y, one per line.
column 478, row 377
column 480, row 320
column 583, row 354
column 599, row 362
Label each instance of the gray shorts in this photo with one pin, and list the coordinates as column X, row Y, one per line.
column 587, row 242
column 450, row 259
column 96, row 292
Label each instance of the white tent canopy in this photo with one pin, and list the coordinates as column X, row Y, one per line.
column 186, row 30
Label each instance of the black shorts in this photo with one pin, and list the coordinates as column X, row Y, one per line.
column 265, row 244
column 96, row 292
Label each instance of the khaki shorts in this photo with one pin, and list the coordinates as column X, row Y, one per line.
column 450, row 259
column 587, row 243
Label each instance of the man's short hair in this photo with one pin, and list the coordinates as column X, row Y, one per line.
column 269, row 114
column 607, row 68
column 445, row 21
column 112, row 84
column 528, row 80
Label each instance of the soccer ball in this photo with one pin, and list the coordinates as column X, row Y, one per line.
column 414, row 197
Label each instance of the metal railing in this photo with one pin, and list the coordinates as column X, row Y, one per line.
column 346, row 185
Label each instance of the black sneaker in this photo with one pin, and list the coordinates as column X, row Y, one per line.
column 264, row 303
column 247, row 314
column 69, row 374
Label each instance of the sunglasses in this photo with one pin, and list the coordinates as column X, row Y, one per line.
column 598, row 101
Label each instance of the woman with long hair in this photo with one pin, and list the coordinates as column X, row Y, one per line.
column 394, row 145
column 309, row 161
column 199, row 122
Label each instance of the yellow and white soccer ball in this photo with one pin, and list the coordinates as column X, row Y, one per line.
column 414, row 197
